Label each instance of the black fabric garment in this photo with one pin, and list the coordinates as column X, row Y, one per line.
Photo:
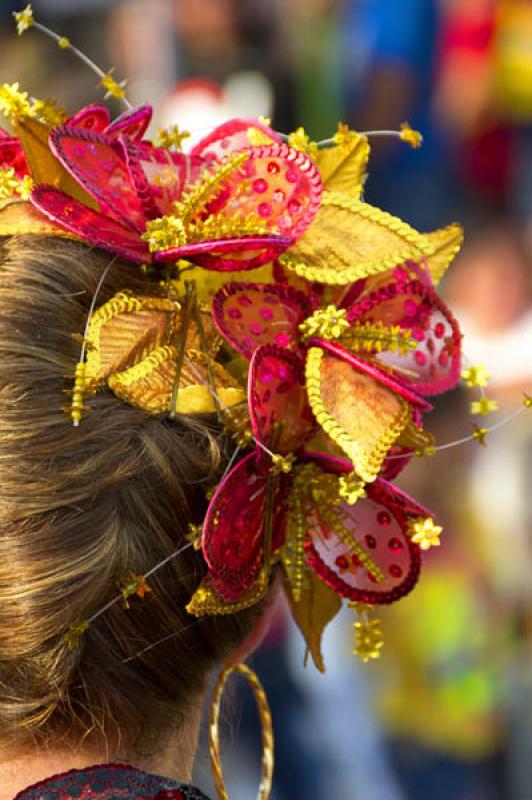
column 109, row 782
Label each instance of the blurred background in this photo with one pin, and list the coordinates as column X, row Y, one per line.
column 446, row 714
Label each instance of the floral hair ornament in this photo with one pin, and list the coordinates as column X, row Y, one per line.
column 319, row 364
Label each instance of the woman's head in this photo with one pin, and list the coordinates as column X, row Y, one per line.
column 82, row 507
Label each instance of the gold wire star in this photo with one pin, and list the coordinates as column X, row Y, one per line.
column 299, row 140
column 351, row 488
column 194, row 535
column 479, row 435
column 327, row 323
column 282, row 463
column 63, row 42
column 344, row 136
column 427, row 450
column 9, row 183
column 24, row 19
column 476, row 375
column 425, row 533
column 171, row 138
column 484, row 406
column 369, row 640
column 133, row 584
column 75, row 632
column 49, row 112
column 13, row 102
column 410, row 136
column 113, row 88
column 25, row 187
column 527, row 400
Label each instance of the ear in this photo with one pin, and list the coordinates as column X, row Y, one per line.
column 272, row 608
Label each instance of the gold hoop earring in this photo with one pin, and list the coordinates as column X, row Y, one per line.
column 265, row 716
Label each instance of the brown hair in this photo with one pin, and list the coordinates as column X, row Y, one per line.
column 80, row 508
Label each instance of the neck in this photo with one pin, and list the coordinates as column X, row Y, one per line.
column 174, row 759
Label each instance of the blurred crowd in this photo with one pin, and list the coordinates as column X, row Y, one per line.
column 447, row 712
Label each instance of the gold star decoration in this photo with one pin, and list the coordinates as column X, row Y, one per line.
column 484, row 406
column 112, row 87
column 299, row 140
column 425, row 533
column 327, row 323
column 75, row 632
column 13, row 102
column 351, row 488
column 164, row 232
column 476, row 375
column 368, row 639
column 24, row 19
column 133, row 584
column 48, row 111
column 171, row 138
column 428, row 450
column 479, row 435
column 410, row 136
column 527, row 400
column 344, row 136
column 63, row 42
column 9, row 183
column 25, row 187
column 194, row 535
column 282, row 463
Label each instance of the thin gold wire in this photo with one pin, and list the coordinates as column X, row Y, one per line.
column 263, row 708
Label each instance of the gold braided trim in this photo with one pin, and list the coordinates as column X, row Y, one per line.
column 333, row 520
column 366, row 465
column 205, row 185
column 376, row 337
column 144, row 368
column 205, row 601
column 382, row 218
column 263, row 708
column 219, row 226
column 293, row 550
column 121, row 303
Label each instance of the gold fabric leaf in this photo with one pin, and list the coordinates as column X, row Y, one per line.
column 343, row 167
column 44, row 166
column 148, row 385
column 19, row 217
column 124, row 331
column 132, row 343
column 313, row 612
column 361, row 415
column 446, row 243
column 350, row 239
